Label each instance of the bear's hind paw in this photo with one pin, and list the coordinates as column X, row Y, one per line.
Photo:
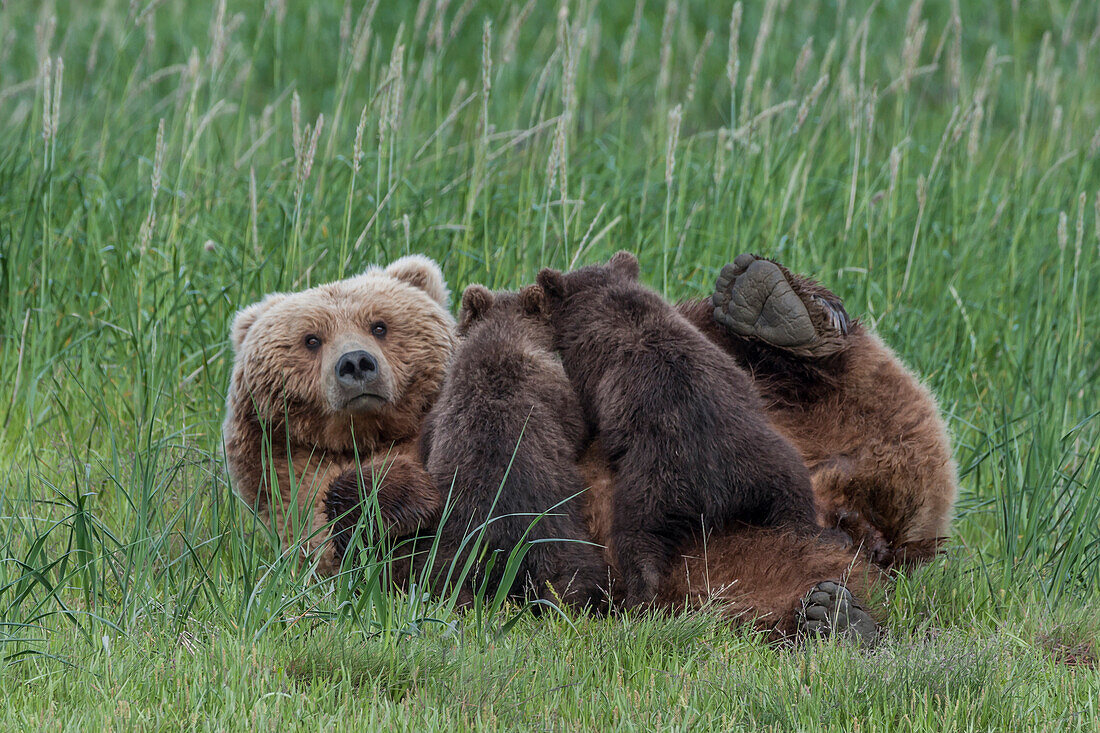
column 830, row 609
column 755, row 298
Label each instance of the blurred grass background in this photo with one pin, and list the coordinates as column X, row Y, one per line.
column 165, row 163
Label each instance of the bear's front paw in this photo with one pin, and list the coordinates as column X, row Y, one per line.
column 831, row 610
column 755, row 298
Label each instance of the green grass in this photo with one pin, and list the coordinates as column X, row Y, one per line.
column 135, row 588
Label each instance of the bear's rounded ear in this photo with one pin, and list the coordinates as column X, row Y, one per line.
column 624, row 263
column 421, row 272
column 476, row 300
column 552, row 283
column 247, row 317
column 533, row 301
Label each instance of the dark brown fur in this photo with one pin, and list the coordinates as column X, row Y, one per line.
column 682, row 426
column 757, row 575
column 504, row 437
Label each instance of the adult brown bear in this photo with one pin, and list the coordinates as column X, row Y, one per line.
column 330, row 387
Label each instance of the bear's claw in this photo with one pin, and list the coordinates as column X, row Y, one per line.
column 830, row 609
column 754, row 297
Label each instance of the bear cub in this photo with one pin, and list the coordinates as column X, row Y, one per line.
column 503, row 439
column 681, row 423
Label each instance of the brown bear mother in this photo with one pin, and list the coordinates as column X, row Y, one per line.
column 330, row 386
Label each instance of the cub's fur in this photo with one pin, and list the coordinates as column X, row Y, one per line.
column 682, row 426
column 505, row 436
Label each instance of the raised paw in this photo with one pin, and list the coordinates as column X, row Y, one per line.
column 755, row 298
column 831, row 610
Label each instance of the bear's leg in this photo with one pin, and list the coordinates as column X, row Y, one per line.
column 830, row 609
column 869, row 432
column 408, row 501
column 569, row 572
column 780, row 583
column 641, row 557
column 760, row 299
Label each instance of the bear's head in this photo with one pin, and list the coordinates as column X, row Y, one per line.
column 479, row 304
column 360, row 357
column 558, row 286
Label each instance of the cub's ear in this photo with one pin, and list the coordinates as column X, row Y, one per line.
column 624, row 263
column 533, row 301
column 247, row 317
column 552, row 283
column 421, row 272
column 476, row 300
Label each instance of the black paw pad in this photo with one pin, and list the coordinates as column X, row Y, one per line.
column 831, row 610
column 753, row 298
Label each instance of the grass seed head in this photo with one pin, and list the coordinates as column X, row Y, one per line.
column 808, row 103
column 435, row 32
column 44, row 31
column 1096, row 218
column 663, row 72
column 804, row 57
column 674, row 118
column 733, row 60
column 357, row 148
column 721, row 152
column 46, row 76
column 158, row 160
column 511, row 33
column 486, row 58
column 1080, row 231
column 910, row 51
column 973, row 141
column 697, row 66
column 626, row 54
column 762, row 35
column 360, row 37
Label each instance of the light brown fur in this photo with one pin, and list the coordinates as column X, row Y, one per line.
column 283, row 426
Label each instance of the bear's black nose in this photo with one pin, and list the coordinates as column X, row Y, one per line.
column 356, row 368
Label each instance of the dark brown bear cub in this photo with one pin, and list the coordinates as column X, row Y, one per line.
column 682, row 425
column 503, row 439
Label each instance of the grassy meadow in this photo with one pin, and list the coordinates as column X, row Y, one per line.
column 164, row 163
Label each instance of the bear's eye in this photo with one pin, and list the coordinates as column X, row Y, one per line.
column 378, row 329
column 313, row 342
